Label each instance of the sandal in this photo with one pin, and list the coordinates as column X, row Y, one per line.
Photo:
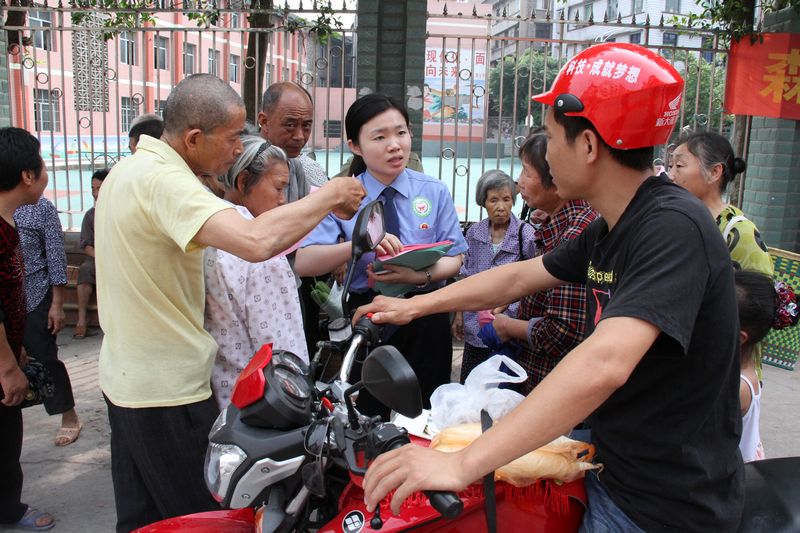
column 67, row 435
column 80, row 332
column 29, row 521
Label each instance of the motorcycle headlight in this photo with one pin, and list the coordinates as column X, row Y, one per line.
column 222, row 460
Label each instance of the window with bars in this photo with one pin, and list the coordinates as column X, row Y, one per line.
column 161, row 53
column 233, row 70
column 543, row 31
column 332, row 128
column 213, row 62
column 159, row 106
column 46, row 110
column 127, row 48
column 42, row 38
column 189, row 53
column 128, row 110
column 708, row 44
column 613, row 9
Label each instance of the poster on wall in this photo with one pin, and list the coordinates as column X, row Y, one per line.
column 455, row 86
column 763, row 77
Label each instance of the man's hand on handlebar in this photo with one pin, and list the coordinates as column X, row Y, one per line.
column 388, row 311
column 410, row 469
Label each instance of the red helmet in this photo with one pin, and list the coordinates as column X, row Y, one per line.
column 631, row 94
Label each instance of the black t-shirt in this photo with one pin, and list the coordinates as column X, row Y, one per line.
column 12, row 286
column 669, row 437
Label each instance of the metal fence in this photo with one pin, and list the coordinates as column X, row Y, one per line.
column 497, row 72
column 79, row 91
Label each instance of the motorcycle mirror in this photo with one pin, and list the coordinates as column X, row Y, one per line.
column 389, row 378
column 368, row 233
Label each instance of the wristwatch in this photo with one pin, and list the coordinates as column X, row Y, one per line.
column 427, row 281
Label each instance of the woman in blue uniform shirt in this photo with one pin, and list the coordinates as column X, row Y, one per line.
column 418, row 210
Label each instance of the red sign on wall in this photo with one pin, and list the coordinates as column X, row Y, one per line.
column 764, row 77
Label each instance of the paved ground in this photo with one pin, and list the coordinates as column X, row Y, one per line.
column 74, row 482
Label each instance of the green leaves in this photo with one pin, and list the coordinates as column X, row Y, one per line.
column 122, row 15
column 535, row 72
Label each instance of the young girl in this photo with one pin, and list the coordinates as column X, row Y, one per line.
column 418, row 209
column 763, row 304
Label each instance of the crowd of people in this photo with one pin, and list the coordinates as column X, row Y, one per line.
column 205, row 242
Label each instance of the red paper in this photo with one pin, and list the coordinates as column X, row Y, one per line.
column 413, row 247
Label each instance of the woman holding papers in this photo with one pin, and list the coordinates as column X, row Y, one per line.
column 251, row 304
column 418, row 210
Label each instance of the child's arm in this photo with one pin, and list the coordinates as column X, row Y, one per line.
column 745, row 397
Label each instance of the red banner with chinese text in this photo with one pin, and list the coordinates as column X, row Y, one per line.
column 764, row 78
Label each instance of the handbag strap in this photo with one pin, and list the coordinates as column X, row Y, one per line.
column 729, row 226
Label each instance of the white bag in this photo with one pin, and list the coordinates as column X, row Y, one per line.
column 333, row 306
column 454, row 403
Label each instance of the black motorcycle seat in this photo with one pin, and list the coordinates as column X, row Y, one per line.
column 772, row 496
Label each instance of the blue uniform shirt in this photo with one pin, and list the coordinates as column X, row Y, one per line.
column 424, row 208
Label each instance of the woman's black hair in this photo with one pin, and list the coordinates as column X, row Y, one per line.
column 19, row 151
column 362, row 111
column 714, row 149
column 757, row 301
column 100, row 175
column 533, row 151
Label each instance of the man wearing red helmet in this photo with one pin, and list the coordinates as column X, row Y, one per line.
column 656, row 375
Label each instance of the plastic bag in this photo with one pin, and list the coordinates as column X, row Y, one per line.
column 329, row 299
column 454, row 403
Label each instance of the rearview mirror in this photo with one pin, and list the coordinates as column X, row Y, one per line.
column 368, row 233
column 369, row 229
column 389, row 378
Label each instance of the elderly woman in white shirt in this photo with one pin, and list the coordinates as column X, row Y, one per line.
column 251, row 304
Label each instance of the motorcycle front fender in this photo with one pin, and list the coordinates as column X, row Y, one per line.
column 230, row 521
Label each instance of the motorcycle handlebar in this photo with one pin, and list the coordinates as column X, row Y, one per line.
column 365, row 332
column 446, row 502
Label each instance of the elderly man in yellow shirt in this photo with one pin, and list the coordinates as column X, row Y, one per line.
column 152, row 223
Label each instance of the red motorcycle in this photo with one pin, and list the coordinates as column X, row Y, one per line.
column 288, row 454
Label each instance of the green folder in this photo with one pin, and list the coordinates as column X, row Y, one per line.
column 417, row 257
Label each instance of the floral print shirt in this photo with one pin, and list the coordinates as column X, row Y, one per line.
column 249, row 305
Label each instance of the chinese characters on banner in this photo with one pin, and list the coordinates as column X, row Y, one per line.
column 764, row 78
column 455, row 83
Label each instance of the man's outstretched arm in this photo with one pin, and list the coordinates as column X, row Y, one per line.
column 580, row 383
column 277, row 229
column 486, row 290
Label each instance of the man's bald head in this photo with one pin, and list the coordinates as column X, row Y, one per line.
column 286, row 117
column 201, row 101
column 273, row 94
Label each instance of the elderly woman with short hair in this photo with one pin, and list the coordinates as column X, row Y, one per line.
column 251, row 304
column 498, row 239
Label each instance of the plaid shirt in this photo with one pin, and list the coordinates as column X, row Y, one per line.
column 560, row 311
